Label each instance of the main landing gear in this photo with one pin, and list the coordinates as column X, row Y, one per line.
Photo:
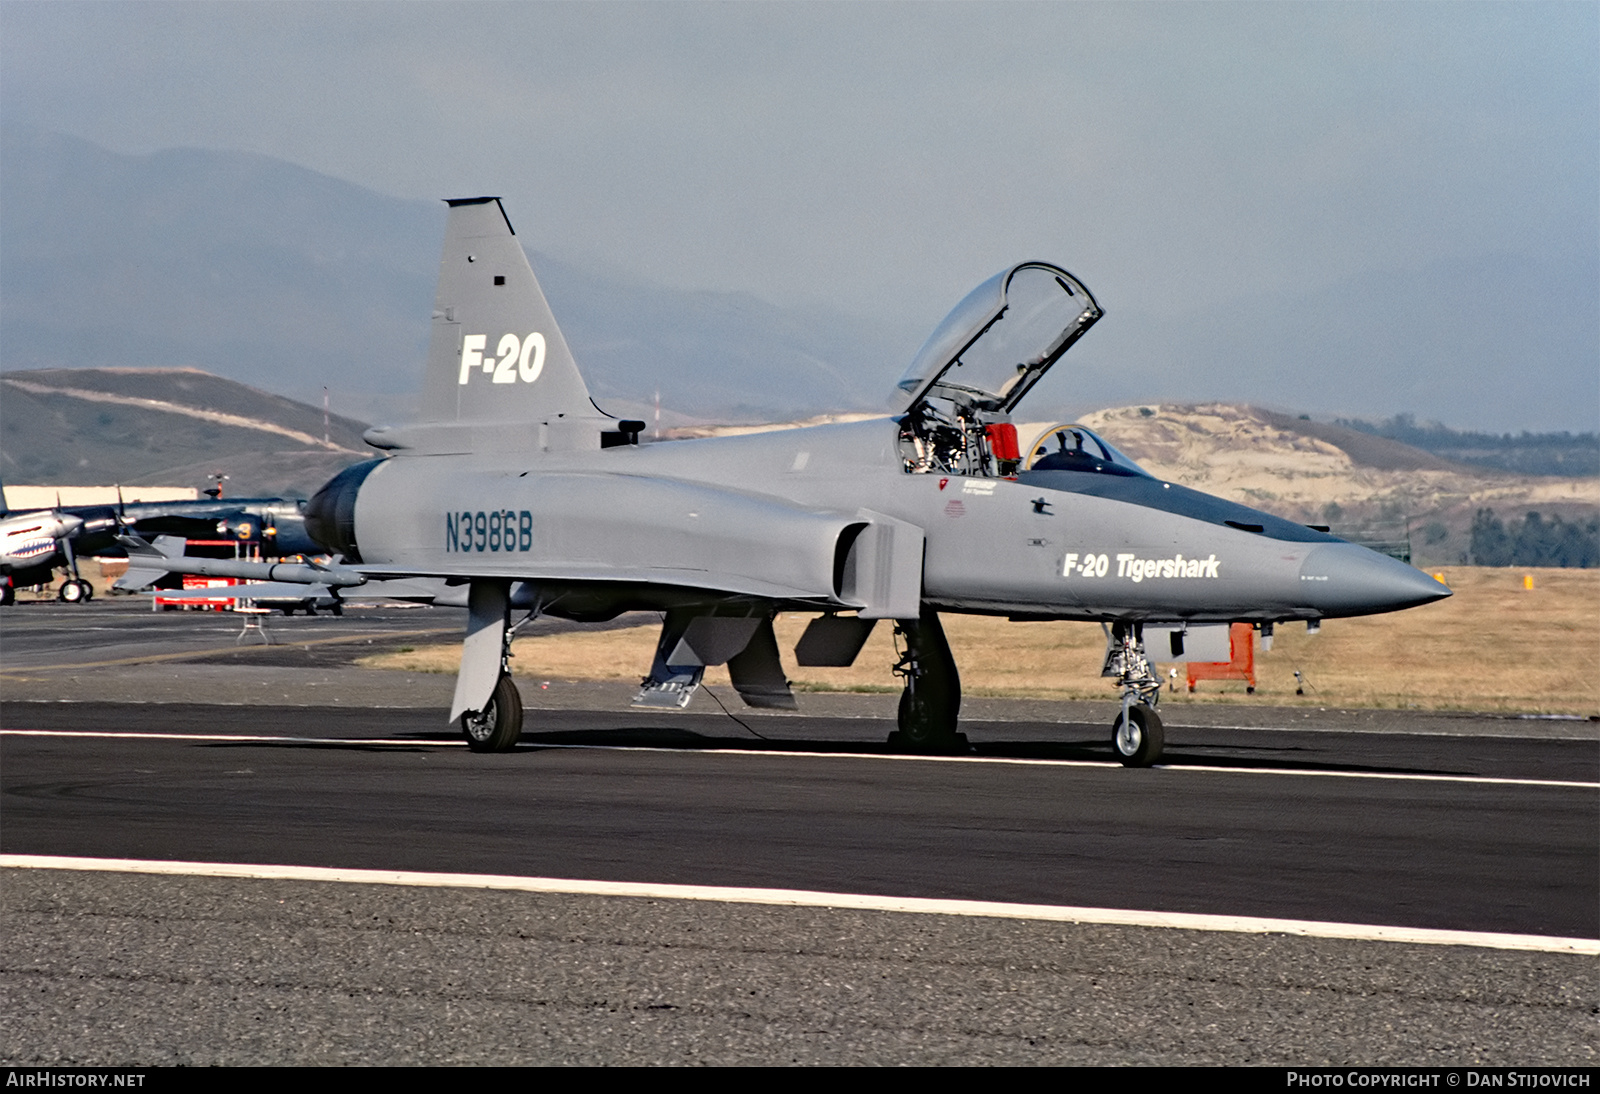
column 932, row 696
column 498, row 725
column 74, row 590
column 1136, row 735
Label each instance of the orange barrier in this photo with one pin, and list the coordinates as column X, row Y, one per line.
column 1240, row 666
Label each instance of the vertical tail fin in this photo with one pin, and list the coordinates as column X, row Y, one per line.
column 496, row 354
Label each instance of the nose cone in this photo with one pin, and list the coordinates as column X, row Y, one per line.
column 1339, row 579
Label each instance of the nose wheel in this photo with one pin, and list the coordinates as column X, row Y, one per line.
column 1137, row 736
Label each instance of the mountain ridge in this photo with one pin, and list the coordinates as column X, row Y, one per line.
column 281, row 277
column 81, row 427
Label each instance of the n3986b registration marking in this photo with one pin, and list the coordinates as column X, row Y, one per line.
column 488, row 530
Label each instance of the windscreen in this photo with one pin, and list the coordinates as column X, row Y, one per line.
column 1076, row 448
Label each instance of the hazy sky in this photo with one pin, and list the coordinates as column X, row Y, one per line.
column 884, row 158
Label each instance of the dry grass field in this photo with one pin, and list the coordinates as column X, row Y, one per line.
column 1494, row 646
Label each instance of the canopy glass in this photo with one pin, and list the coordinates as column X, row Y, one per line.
column 1001, row 339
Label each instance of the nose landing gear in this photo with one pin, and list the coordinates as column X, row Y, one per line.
column 1136, row 735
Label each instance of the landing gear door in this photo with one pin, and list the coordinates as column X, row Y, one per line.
column 1001, row 339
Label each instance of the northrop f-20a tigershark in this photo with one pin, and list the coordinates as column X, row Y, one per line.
column 514, row 492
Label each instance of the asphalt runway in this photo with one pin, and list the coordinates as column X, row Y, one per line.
column 1238, row 824
column 1354, row 818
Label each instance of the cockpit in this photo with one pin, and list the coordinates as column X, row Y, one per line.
column 980, row 362
column 1077, row 448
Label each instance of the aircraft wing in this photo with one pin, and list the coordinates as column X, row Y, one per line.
column 268, row 579
column 396, row 583
column 404, row 583
column 720, row 584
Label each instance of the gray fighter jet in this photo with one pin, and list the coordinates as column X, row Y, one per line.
column 521, row 495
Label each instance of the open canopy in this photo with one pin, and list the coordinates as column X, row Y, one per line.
column 998, row 341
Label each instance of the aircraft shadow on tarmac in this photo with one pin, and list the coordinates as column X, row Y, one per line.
column 1282, row 756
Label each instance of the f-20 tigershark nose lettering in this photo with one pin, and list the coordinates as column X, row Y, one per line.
column 1177, row 566
column 1131, row 566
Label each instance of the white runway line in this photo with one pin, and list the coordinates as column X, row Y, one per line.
column 251, row 738
column 801, row 898
column 1102, row 765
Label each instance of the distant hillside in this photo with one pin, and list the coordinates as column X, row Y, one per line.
column 1561, row 453
column 177, row 427
column 1321, row 473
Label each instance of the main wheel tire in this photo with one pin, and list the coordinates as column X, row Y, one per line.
column 498, row 726
column 1138, row 744
column 926, row 723
column 72, row 592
